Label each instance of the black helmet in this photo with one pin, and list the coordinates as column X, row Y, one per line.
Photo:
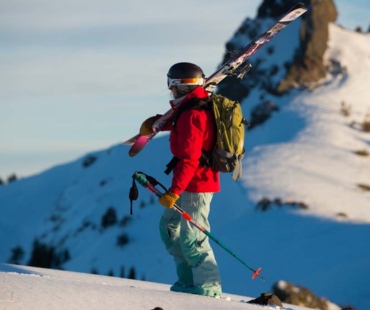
column 185, row 76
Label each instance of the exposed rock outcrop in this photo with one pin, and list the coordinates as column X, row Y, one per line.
column 301, row 296
column 305, row 66
column 308, row 66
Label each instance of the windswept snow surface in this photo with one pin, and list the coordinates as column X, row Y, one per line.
column 44, row 289
column 304, row 153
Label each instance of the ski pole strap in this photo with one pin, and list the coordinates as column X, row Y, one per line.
column 133, row 194
column 148, row 182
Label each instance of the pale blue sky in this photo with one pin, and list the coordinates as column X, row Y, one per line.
column 77, row 76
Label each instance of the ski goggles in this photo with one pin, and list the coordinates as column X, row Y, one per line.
column 184, row 82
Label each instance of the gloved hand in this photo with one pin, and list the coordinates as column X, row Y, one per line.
column 146, row 126
column 168, row 199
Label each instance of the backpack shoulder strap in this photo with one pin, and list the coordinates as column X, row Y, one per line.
column 191, row 104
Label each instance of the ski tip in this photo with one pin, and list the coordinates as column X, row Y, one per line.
column 256, row 273
column 133, row 152
column 299, row 9
column 299, row 5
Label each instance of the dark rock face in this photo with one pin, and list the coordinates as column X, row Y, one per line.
column 300, row 296
column 305, row 67
column 308, row 64
column 266, row 299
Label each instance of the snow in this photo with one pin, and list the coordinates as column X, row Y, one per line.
column 27, row 287
column 304, row 153
column 318, row 151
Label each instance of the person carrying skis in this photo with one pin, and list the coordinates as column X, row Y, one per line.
column 192, row 183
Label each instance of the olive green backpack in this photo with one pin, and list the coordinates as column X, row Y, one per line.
column 229, row 150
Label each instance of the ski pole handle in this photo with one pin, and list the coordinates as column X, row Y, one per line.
column 144, row 182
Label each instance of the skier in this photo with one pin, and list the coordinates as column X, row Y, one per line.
column 192, row 183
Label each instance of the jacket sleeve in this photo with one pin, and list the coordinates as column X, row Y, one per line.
column 190, row 135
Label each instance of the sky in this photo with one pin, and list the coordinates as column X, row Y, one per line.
column 77, row 76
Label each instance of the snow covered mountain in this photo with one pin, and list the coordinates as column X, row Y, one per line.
column 301, row 211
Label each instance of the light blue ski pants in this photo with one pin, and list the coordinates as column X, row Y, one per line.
column 194, row 259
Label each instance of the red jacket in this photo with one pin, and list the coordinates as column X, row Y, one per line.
column 195, row 130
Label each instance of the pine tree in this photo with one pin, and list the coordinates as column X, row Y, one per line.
column 132, row 274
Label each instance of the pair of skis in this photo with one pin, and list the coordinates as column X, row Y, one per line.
column 236, row 65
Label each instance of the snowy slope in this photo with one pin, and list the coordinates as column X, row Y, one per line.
column 311, row 146
column 303, row 153
column 38, row 289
